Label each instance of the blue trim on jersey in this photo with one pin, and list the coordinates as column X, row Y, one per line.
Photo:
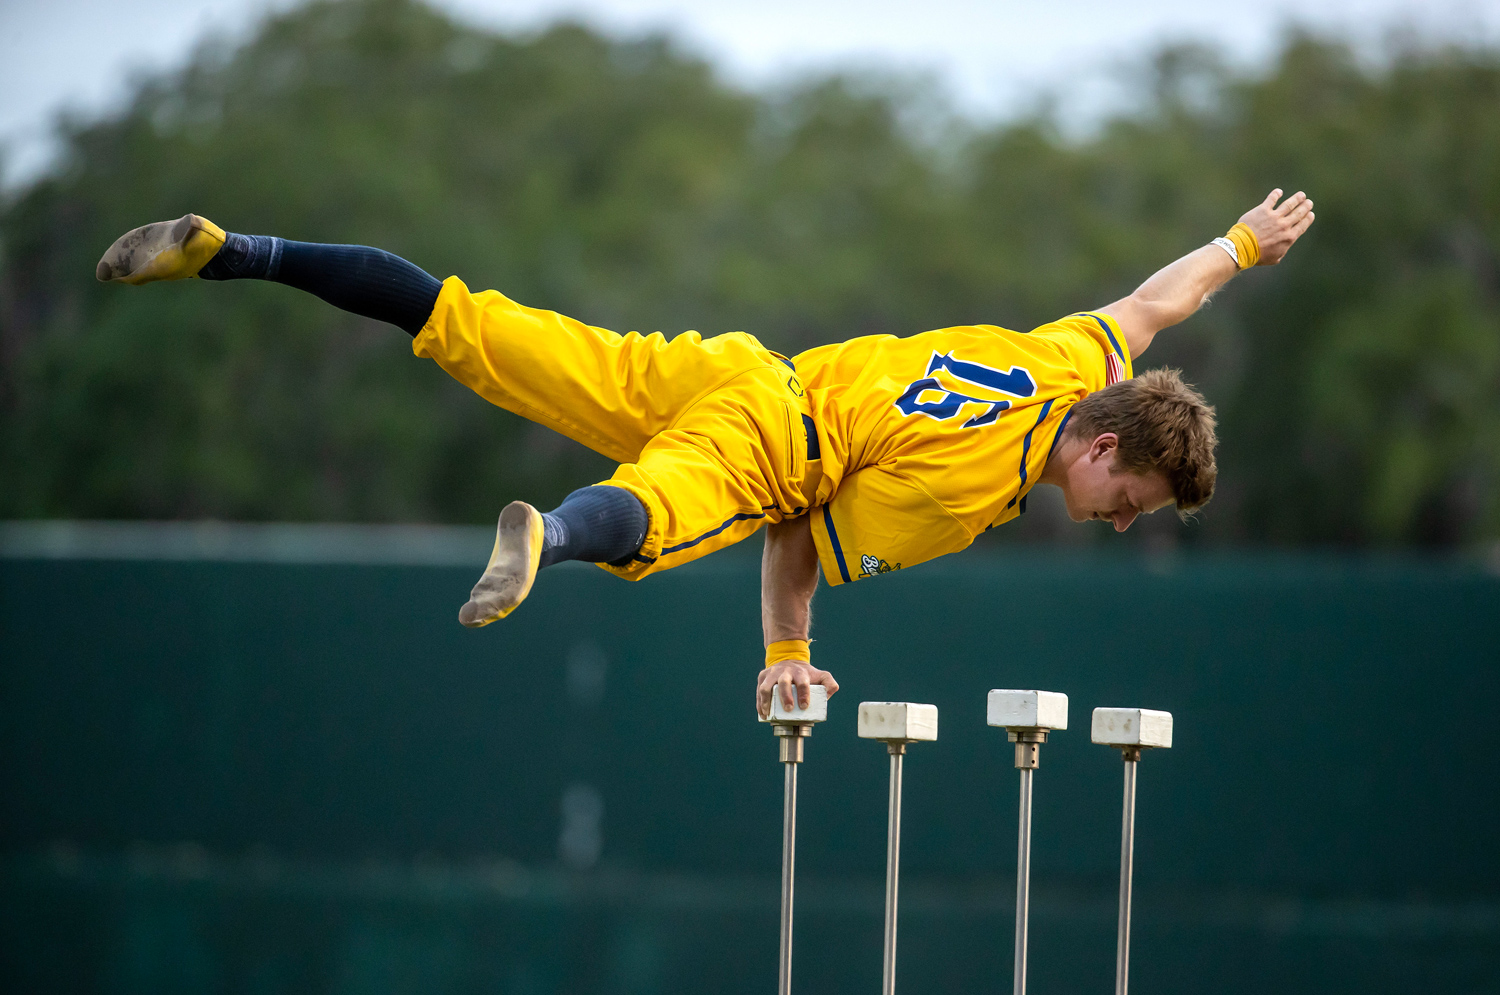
column 1058, row 437
column 1050, row 449
column 741, row 517
column 1026, row 448
column 1112, row 340
column 833, row 539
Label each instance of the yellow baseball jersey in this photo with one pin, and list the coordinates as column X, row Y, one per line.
column 905, row 449
column 929, row 440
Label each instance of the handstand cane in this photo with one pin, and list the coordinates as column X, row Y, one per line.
column 1027, row 716
column 792, row 727
column 896, row 723
column 1130, row 730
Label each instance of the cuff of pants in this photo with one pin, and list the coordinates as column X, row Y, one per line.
column 643, row 561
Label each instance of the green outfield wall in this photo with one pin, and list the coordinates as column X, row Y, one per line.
column 266, row 760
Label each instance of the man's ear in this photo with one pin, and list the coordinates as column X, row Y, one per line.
column 1103, row 446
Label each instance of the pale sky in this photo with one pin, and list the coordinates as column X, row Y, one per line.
column 994, row 56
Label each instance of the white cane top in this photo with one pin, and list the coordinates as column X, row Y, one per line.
column 816, row 710
column 1131, row 727
column 898, row 720
column 1027, row 709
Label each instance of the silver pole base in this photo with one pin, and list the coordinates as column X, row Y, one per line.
column 1028, row 758
column 1023, row 882
column 896, row 749
column 791, row 738
column 1132, row 754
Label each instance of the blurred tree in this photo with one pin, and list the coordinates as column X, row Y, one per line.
column 624, row 183
column 567, row 169
column 1382, row 339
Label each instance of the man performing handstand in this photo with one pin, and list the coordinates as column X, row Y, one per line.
column 863, row 457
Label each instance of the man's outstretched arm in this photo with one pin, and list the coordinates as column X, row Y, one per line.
column 788, row 579
column 1176, row 291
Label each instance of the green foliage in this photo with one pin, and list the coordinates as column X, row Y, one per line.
column 622, row 182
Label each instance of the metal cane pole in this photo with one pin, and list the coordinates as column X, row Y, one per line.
column 792, row 727
column 895, row 723
column 1023, row 883
column 1027, row 717
column 892, row 868
column 1129, row 730
column 788, row 868
column 1127, row 870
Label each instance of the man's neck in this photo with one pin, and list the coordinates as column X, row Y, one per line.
column 1064, row 456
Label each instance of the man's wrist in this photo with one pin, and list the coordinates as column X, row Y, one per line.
column 787, row 649
column 1240, row 242
column 1228, row 247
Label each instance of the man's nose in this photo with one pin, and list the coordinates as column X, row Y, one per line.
column 1123, row 519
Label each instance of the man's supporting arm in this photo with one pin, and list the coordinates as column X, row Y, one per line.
column 788, row 579
column 1176, row 291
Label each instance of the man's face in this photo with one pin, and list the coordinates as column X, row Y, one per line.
column 1093, row 490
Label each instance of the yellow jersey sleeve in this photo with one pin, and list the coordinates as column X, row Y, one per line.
column 1092, row 344
column 881, row 520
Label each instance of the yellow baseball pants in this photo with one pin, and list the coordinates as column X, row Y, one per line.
column 711, row 434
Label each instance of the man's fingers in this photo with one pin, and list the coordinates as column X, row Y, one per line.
column 1291, row 203
column 793, row 682
column 1302, row 210
column 1272, row 198
column 1303, row 225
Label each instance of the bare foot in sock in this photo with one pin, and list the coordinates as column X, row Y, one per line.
column 512, row 568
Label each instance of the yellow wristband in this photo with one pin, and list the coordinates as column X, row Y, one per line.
column 787, row 649
column 1245, row 244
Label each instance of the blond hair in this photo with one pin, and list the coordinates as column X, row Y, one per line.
column 1164, row 425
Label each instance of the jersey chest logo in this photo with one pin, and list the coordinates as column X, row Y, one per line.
column 928, row 396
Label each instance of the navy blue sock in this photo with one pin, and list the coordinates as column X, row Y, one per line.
column 369, row 282
column 598, row 524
